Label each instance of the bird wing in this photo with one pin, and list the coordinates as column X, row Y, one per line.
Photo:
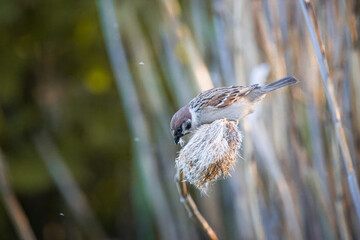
column 220, row 97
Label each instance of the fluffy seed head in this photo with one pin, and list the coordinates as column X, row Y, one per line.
column 210, row 153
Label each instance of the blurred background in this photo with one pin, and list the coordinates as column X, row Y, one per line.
column 88, row 88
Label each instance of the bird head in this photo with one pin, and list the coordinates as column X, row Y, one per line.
column 181, row 123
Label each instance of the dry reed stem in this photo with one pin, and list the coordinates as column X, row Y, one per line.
column 183, row 34
column 312, row 26
column 13, row 207
column 263, row 146
column 68, row 187
column 137, row 122
column 148, row 77
column 191, row 207
column 339, row 194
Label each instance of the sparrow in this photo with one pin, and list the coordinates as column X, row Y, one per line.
column 231, row 103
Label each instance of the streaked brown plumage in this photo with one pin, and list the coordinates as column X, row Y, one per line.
column 220, row 97
column 232, row 103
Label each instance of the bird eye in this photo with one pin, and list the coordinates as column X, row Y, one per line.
column 188, row 125
column 178, row 129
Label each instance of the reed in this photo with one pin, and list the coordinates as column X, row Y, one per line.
column 12, row 205
column 290, row 183
column 328, row 84
column 294, row 167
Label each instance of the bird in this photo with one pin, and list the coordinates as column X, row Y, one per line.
column 232, row 103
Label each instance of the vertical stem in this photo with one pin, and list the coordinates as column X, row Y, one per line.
column 313, row 28
column 191, row 207
column 13, row 207
column 143, row 148
column 68, row 187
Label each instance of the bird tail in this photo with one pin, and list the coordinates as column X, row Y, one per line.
column 286, row 81
column 258, row 92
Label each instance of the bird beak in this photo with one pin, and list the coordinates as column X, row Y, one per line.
column 177, row 138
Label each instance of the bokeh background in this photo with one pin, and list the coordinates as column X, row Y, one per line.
column 88, row 88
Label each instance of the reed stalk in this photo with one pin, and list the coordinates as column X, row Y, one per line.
column 68, row 187
column 191, row 206
column 329, row 87
column 12, row 205
column 136, row 121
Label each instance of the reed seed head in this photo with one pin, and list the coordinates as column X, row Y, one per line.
column 210, row 153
